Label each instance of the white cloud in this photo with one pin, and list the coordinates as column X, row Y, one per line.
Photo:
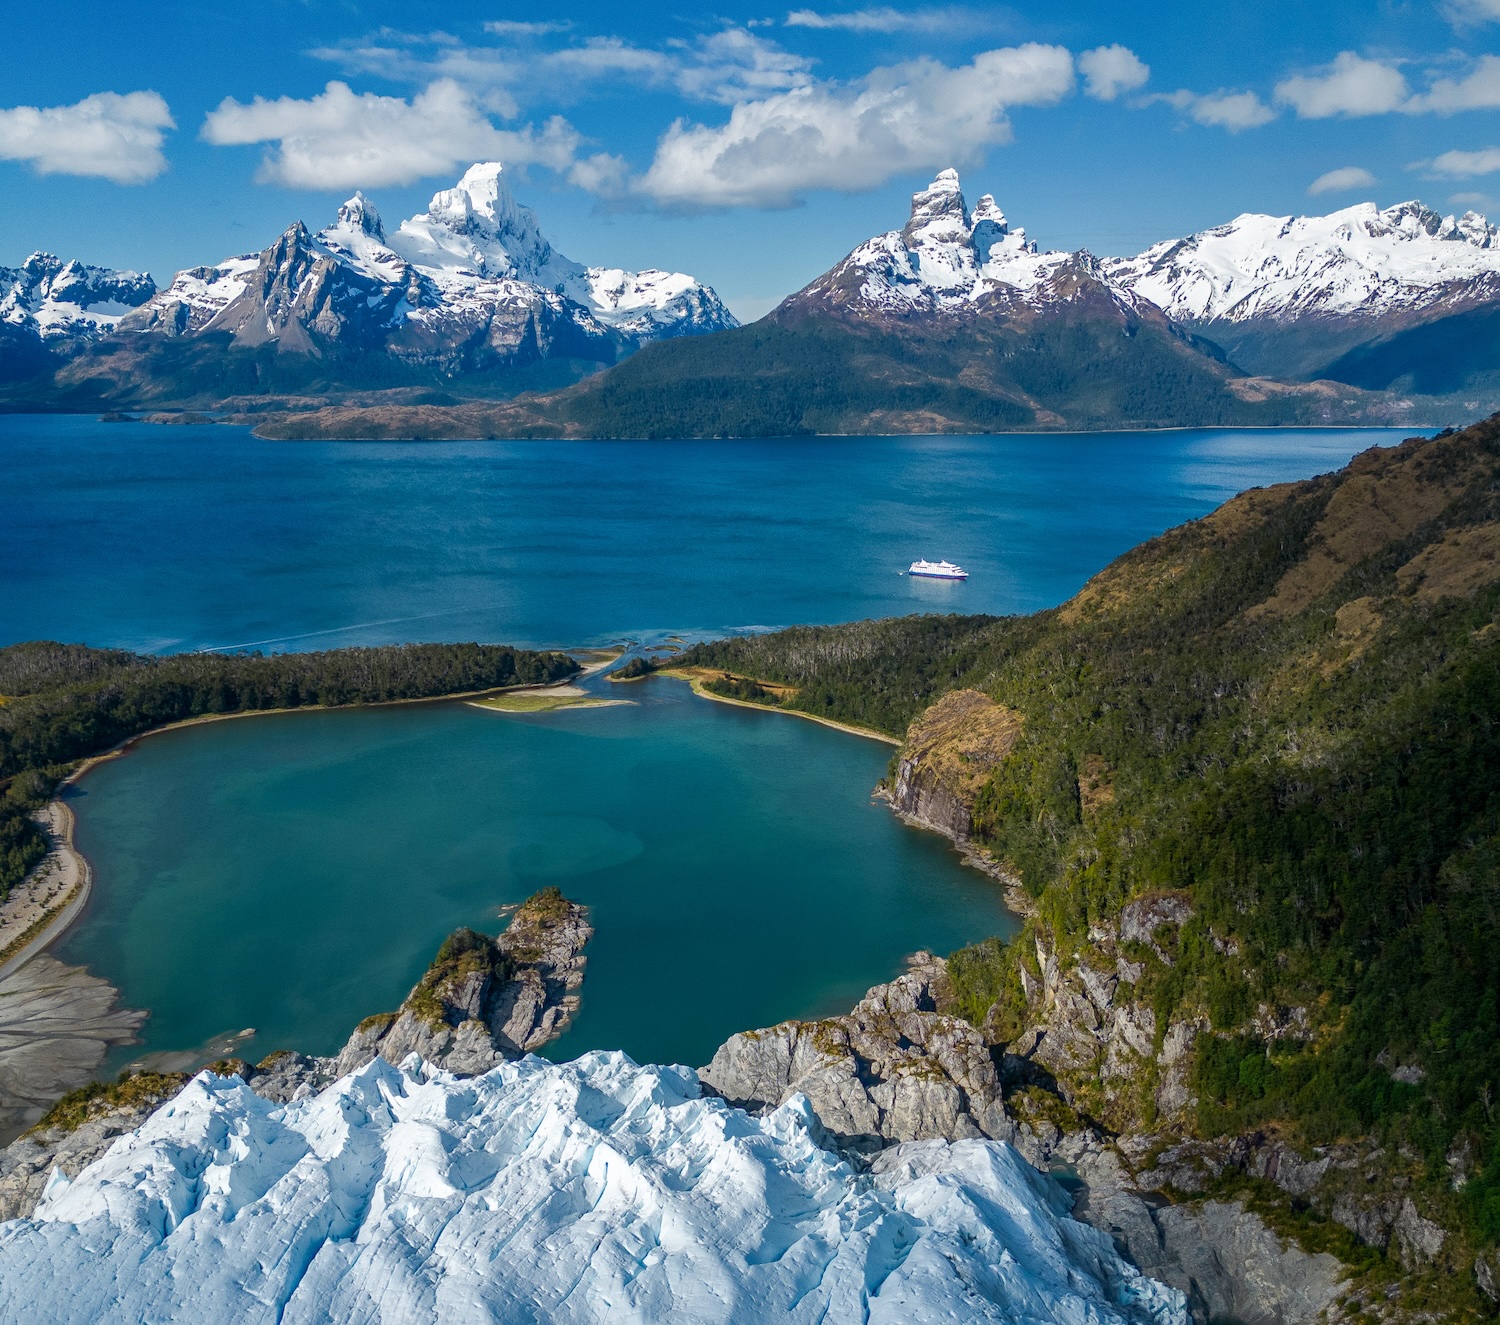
column 113, row 136
column 507, row 27
column 1480, row 90
column 1341, row 181
column 1465, row 13
column 1472, row 200
column 1233, row 111
column 725, row 66
column 1110, row 70
column 341, row 140
column 1350, row 86
column 853, row 136
column 1465, row 165
column 886, row 19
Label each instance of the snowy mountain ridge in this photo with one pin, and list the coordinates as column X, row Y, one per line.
column 474, row 251
column 54, row 299
column 1360, row 262
column 579, row 1192
column 949, row 259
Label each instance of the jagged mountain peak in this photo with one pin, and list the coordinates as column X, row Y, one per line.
column 470, row 279
column 938, row 212
column 359, row 213
column 479, row 226
column 52, row 298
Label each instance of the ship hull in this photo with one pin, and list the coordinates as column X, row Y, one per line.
column 933, row 575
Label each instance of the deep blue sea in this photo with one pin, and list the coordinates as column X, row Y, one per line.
column 295, row 873
column 165, row 538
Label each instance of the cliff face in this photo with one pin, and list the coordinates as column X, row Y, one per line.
column 949, row 754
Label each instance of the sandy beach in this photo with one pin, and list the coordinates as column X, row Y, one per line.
column 695, row 677
column 46, row 902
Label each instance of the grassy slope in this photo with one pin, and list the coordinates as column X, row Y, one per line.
column 1294, row 703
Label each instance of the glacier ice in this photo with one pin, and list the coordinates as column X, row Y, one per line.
column 590, row 1191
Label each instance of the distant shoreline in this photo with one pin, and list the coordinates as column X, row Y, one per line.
column 682, row 674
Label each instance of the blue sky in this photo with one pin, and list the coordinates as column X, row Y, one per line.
column 750, row 146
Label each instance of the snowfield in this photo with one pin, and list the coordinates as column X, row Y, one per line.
column 583, row 1192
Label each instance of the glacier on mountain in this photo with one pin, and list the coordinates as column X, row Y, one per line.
column 53, row 299
column 589, row 1191
column 948, row 259
column 1360, row 262
column 474, row 254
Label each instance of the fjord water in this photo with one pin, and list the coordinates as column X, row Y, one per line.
column 295, row 873
column 188, row 537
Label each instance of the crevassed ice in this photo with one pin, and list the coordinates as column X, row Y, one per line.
column 593, row 1191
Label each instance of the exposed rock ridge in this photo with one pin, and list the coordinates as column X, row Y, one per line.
column 893, row 1069
column 897, row 1069
column 485, row 1001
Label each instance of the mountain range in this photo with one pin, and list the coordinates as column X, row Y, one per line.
column 469, row 291
column 464, row 321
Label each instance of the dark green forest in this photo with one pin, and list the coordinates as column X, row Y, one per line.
column 1317, row 771
column 65, row 702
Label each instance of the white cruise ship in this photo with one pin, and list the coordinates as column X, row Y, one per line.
column 938, row 570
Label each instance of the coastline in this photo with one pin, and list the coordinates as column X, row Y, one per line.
column 75, row 884
column 684, row 674
column 42, row 931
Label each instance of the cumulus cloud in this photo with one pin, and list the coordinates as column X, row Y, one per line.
column 1350, row 86
column 1480, row 90
column 1233, row 111
column 1110, row 70
column 340, row 139
column 1341, row 181
column 853, row 136
column 1465, row 165
column 1465, row 13
column 109, row 135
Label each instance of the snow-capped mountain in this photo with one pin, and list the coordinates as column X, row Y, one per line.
column 1293, row 294
column 1360, row 262
column 470, row 281
column 579, row 1192
column 53, row 299
column 948, row 259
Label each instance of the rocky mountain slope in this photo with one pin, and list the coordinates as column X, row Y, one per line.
column 470, row 290
column 1243, row 786
column 1364, row 296
column 46, row 303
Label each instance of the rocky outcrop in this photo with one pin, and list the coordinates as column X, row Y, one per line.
column 949, row 753
column 1223, row 1257
column 897, row 1069
column 86, row 1129
column 484, row 1000
column 894, row 1069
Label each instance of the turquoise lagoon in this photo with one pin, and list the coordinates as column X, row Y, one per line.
column 295, row 873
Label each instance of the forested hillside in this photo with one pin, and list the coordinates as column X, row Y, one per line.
column 1273, row 734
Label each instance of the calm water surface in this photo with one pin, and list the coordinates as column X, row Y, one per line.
column 164, row 538
column 296, row 873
